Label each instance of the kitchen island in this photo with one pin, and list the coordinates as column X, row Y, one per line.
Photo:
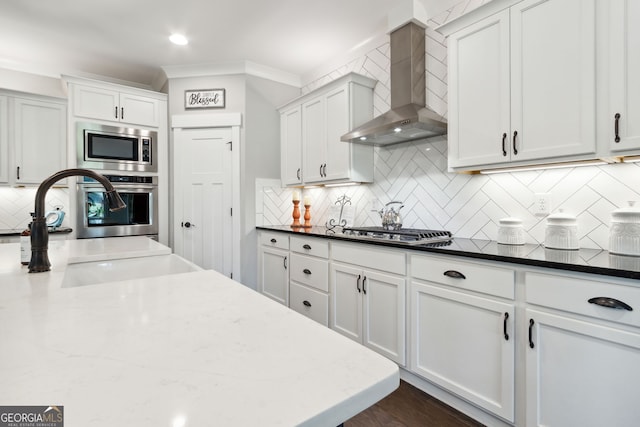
column 189, row 349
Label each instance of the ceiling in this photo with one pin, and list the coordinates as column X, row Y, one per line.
column 128, row 40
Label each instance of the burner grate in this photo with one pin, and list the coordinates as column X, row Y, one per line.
column 404, row 235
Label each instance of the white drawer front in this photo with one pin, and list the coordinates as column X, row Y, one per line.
column 370, row 256
column 310, row 271
column 573, row 294
column 311, row 303
column 274, row 240
column 486, row 279
column 310, row 246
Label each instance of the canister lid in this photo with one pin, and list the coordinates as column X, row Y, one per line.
column 511, row 222
column 630, row 213
column 561, row 218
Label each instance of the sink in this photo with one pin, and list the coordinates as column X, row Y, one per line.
column 91, row 273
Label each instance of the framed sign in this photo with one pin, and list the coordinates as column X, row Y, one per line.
column 204, row 98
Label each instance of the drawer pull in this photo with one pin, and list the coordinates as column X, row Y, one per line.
column 454, row 274
column 531, row 323
column 504, row 326
column 285, row 263
column 610, row 303
column 307, row 247
column 364, row 281
column 306, row 271
column 273, row 240
column 306, row 303
column 504, row 147
column 358, row 283
column 616, row 126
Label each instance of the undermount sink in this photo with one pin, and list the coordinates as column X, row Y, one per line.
column 91, row 273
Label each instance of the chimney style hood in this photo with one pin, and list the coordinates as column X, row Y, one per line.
column 408, row 119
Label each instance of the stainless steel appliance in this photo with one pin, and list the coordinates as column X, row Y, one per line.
column 140, row 217
column 116, row 148
column 405, row 236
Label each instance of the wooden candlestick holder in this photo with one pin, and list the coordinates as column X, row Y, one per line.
column 296, row 215
column 307, row 216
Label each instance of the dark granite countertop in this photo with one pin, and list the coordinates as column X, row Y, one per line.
column 594, row 261
column 14, row 232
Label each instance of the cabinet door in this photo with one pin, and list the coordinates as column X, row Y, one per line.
column 553, row 78
column 338, row 159
column 580, row 374
column 346, row 301
column 96, row 103
column 139, row 110
column 313, row 135
column 291, row 146
column 40, row 139
column 458, row 342
column 4, row 140
column 624, row 74
column 384, row 315
column 479, row 93
column 274, row 274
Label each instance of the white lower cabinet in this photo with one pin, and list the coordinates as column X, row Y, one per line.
column 367, row 305
column 582, row 361
column 461, row 341
column 273, row 268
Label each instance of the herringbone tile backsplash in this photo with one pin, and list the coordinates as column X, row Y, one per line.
column 469, row 206
column 17, row 203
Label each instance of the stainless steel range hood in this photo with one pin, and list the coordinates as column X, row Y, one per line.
column 408, row 119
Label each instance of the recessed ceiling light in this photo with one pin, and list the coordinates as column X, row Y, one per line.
column 397, row 130
column 178, row 39
column 363, row 138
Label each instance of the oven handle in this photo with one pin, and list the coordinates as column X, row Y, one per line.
column 118, row 187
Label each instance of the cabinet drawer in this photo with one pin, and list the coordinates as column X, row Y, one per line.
column 274, row 240
column 486, row 279
column 310, row 271
column 573, row 294
column 369, row 256
column 310, row 246
column 311, row 303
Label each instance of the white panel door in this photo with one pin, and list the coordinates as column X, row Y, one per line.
column 291, row 146
column 466, row 344
column 580, row 374
column 313, row 135
column 384, row 315
column 4, row 140
column 479, row 93
column 203, row 227
column 552, row 78
column 274, row 274
column 338, row 155
column 346, row 301
column 40, row 139
column 624, row 75
column 96, row 103
column 139, row 110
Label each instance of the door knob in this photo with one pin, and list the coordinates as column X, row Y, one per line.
column 187, row 224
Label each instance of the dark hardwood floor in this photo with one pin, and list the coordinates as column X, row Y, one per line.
column 410, row 407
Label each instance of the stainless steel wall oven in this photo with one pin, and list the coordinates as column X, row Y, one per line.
column 140, row 217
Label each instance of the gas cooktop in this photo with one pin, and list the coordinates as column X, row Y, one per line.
column 406, row 236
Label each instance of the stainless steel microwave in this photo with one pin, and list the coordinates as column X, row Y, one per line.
column 116, row 148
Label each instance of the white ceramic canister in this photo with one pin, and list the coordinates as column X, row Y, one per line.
column 510, row 231
column 561, row 231
column 624, row 233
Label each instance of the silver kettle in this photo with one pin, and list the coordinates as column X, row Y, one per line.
column 391, row 219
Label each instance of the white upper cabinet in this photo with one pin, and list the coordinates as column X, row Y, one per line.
column 623, row 122
column 522, row 85
column 39, row 135
column 99, row 103
column 311, row 127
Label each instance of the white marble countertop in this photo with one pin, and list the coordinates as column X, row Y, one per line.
column 192, row 349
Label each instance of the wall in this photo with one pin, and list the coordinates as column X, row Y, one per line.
column 470, row 206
